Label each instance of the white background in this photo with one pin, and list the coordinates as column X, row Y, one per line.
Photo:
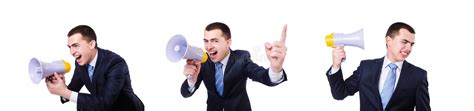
column 139, row 31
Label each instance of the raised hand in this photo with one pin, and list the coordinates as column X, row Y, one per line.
column 276, row 52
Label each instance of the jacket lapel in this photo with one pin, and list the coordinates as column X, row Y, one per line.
column 378, row 67
column 229, row 64
column 212, row 76
column 97, row 71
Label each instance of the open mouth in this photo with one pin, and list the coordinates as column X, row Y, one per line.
column 213, row 53
column 78, row 57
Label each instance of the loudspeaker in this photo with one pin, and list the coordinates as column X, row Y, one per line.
column 39, row 70
column 355, row 39
column 178, row 48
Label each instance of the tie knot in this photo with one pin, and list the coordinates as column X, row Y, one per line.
column 219, row 64
column 90, row 67
column 392, row 66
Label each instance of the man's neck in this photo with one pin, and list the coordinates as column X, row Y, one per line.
column 391, row 58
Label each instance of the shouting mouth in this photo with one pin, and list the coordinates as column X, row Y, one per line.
column 213, row 54
column 78, row 57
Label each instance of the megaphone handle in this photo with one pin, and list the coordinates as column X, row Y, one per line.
column 190, row 79
column 343, row 59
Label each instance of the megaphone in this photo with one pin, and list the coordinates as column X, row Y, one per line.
column 355, row 39
column 178, row 48
column 39, row 70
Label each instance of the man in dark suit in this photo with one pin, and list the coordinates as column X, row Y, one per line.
column 389, row 83
column 104, row 73
column 226, row 71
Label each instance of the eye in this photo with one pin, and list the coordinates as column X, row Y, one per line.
column 75, row 45
column 405, row 42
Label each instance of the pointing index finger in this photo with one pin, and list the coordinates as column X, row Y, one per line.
column 283, row 34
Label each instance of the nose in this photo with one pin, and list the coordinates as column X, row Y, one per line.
column 72, row 51
column 208, row 46
column 407, row 47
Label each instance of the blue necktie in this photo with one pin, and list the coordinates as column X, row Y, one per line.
column 389, row 85
column 219, row 79
column 90, row 70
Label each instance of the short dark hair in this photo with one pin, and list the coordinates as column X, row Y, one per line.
column 394, row 29
column 86, row 31
column 221, row 26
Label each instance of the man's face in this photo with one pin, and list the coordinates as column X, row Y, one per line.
column 81, row 49
column 399, row 47
column 216, row 45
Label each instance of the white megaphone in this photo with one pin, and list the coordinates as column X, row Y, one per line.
column 178, row 49
column 355, row 39
column 39, row 70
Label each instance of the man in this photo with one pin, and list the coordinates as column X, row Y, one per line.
column 226, row 71
column 104, row 73
column 389, row 83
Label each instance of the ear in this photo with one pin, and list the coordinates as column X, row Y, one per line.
column 388, row 40
column 229, row 42
column 92, row 44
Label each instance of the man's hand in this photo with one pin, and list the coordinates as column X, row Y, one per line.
column 276, row 52
column 57, row 86
column 338, row 55
column 192, row 69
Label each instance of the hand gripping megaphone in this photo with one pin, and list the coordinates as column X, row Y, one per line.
column 178, row 49
column 355, row 39
column 39, row 70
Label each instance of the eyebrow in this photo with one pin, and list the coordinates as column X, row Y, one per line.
column 210, row 39
column 69, row 46
column 405, row 40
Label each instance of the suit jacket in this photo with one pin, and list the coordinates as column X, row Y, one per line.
column 110, row 88
column 411, row 89
column 239, row 67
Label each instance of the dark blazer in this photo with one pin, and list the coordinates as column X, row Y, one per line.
column 411, row 89
column 239, row 67
column 110, row 89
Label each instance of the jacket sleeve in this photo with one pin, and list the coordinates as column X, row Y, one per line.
column 422, row 95
column 256, row 72
column 341, row 88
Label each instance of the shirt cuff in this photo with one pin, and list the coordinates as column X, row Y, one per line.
column 333, row 71
column 275, row 77
column 73, row 96
column 191, row 86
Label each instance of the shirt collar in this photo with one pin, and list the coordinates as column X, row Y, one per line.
column 386, row 61
column 93, row 62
